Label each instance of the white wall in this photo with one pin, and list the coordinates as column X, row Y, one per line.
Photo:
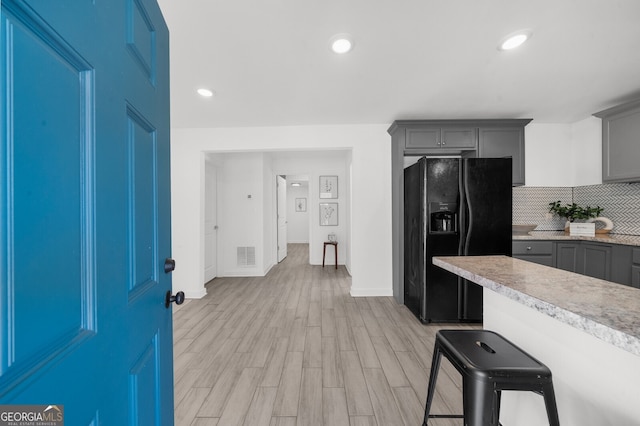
column 563, row 154
column 241, row 212
column 366, row 168
column 587, row 147
column 297, row 222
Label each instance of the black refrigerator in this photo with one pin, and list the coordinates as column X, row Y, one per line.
column 452, row 207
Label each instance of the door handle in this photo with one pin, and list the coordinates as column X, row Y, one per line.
column 178, row 298
column 169, row 265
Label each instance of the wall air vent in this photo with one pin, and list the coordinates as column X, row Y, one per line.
column 246, row 256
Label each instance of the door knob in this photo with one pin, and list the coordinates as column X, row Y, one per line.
column 169, row 265
column 178, row 298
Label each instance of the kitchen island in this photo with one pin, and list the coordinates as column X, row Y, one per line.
column 586, row 330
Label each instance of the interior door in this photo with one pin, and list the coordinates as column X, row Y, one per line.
column 210, row 222
column 84, row 223
column 281, row 184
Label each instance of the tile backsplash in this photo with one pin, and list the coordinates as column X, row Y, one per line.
column 621, row 203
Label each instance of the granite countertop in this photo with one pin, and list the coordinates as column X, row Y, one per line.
column 608, row 311
column 628, row 240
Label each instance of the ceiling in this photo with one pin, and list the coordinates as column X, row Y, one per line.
column 269, row 63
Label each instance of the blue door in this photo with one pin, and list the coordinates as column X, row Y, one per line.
column 84, row 210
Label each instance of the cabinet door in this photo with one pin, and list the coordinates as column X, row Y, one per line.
column 567, row 256
column 621, row 264
column 501, row 142
column 546, row 260
column 540, row 252
column 423, row 137
column 596, row 260
column 635, row 276
column 620, row 147
column 635, row 268
column 431, row 137
column 464, row 137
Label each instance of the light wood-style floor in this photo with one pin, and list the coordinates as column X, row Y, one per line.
column 294, row 348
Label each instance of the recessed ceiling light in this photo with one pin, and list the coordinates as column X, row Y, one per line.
column 514, row 40
column 341, row 43
column 205, row 92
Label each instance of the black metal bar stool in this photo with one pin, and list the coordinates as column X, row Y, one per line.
column 489, row 364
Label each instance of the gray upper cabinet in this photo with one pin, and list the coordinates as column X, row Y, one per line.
column 497, row 142
column 440, row 138
column 621, row 143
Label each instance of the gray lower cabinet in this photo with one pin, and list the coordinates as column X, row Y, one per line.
column 621, row 264
column 567, row 256
column 534, row 251
column 591, row 259
column 635, row 268
column 612, row 262
column 595, row 260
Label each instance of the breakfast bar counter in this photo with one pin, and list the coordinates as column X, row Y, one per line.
column 586, row 330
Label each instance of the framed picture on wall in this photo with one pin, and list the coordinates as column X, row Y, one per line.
column 328, row 186
column 301, row 204
column 328, row 214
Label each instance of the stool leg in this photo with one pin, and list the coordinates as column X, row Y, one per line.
column 433, row 376
column 550, row 404
column 479, row 401
column 336, row 247
column 324, row 252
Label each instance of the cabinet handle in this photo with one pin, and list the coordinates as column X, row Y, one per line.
column 443, row 143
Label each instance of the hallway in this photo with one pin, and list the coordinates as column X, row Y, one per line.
column 294, row 348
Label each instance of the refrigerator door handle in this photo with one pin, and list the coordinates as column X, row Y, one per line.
column 467, row 211
column 462, row 212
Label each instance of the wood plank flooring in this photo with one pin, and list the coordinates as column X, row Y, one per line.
column 294, row 348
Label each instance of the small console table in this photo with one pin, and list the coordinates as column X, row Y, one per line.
column 324, row 251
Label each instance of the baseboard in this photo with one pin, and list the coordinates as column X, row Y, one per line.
column 371, row 292
column 195, row 294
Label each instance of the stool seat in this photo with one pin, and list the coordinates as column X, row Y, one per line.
column 489, row 364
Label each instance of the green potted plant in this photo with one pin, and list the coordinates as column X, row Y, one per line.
column 573, row 212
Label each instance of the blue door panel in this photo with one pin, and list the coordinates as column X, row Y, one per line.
column 144, row 409
column 44, row 196
column 43, row 265
column 142, row 202
column 84, row 218
column 141, row 38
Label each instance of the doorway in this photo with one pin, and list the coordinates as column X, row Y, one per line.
column 298, row 209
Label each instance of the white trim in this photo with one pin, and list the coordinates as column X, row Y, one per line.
column 371, row 292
